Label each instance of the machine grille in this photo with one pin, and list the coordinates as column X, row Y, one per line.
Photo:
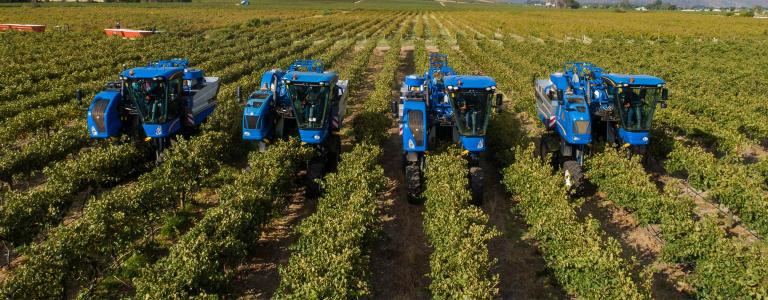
column 581, row 127
column 99, row 110
column 251, row 122
column 416, row 123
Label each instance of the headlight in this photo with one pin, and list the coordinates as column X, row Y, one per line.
column 581, row 127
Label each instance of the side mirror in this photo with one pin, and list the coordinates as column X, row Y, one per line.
column 79, row 97
column 499, row 103
column 239, row 95
column 664, row 94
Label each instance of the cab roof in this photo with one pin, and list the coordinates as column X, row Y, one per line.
column 469, row 81
column 634, row 79
column 310, row 76
column 151, row 72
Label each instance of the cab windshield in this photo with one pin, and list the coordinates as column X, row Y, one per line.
column 310, row 102
column 471, row 108
column 438, row 61
column 156, row 100
column 636, row 106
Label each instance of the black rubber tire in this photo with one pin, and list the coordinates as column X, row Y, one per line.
column 573, row 176
column 476, row 184
column 334, row 153
column 315, row 172
column 414, row 182
column 543, row 148
column 161, row 145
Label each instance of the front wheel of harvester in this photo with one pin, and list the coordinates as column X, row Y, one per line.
column 315, row 172
column 413, row 178
column 546, row 148
column 161, row 144
column 333, row 156
column 476, row 184
column 573, row 177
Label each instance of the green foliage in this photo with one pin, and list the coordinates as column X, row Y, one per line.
column 458, row 233
column 701, row 243
column 729, row 183
column 24, row 214
column 330, row 259
column 501, row 145
column 111, row 222
column 41, row 152
column 587, row 264
column 369, row 126
column 195, row 262
column 626, row 183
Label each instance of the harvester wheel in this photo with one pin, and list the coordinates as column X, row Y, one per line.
column 315, row 171
column 545, row 148
column 334, row 153
column 414, row 180
column 574, row 178
column 476, row 184
column 161, row 144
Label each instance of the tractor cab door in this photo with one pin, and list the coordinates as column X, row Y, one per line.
column 311, row 103
column 157, row 100
column 634, row 105
column 472, row 109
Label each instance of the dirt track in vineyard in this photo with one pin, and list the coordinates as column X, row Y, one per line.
column 257, row 277
column 400, row 256
column 521, row 268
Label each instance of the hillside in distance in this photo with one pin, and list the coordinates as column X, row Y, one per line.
column 680, row 3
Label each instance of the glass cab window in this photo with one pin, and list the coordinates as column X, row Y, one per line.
column 310, row 103
column 636, row 105
column 157, row 101
column 471, row 109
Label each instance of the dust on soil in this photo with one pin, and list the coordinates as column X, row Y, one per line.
column 400, row 257
column 521, row 268
column 640, row 244
column 257, row 277
column 730, row 222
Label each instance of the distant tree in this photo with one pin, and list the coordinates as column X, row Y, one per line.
column 659, row 5
column 625, row 4
column 572, row 4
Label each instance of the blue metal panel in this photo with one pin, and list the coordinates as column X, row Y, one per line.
column 307, row 65
column 313, row 136
column 163, row 129
column 171, row 63
column 151, row 72
column 193, row 74
column 634, row 137
column 473, row 143
column 409, row 138
column 201, row 116
column 560, row 81
column 111, row 115
column 413, row 80
column 259, row 108
column 645, row 80
column 469, row 81
column 310, row 77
